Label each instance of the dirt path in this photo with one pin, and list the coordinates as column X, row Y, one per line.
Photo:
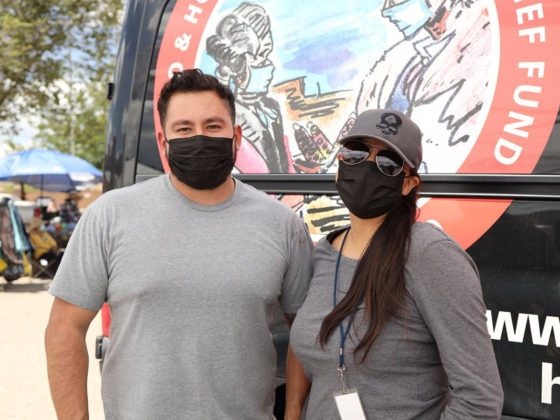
column 24, row 388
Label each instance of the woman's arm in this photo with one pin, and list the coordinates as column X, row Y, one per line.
column 297, row 386
column 449, row 298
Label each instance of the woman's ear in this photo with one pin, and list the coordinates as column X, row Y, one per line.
column 410, row 182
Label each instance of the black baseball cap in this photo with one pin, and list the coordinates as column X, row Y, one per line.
column 393, row 128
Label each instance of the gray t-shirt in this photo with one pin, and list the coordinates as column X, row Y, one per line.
column 437, row 361
column 190, row 288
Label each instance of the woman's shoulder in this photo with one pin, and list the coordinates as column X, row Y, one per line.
column 432, row 250
column 430, row 242
column 327, row 243
column 322, row 246
column 324, row 249
column 425, row 234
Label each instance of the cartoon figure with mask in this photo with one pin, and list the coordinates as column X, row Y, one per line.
column 441, row 62
column 241, row 47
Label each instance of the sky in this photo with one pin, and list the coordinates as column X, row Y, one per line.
column 25, row 136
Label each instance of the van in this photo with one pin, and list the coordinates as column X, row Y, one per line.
column 480, row 79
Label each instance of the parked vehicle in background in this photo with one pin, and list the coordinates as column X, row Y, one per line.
column 479, row 79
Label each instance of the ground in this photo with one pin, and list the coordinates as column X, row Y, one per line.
column 24, row 390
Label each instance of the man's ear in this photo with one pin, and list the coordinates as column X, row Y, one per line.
column 161, row 139
column 160, row 135
column 238, row 134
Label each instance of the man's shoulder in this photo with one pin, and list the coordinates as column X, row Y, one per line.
column 128, row 197
column 262, row 201
column 135, row 190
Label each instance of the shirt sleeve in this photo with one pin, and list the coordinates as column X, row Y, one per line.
column 82, row 278
column 300, row 268
column 449, row 298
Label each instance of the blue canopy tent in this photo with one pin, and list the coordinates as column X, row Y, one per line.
column 49, row 170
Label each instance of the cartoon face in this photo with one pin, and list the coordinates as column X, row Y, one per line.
column 410, row 15
column 264, row 48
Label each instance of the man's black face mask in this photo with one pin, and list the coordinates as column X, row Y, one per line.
column 201, row 162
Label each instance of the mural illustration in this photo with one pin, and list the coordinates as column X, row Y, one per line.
column 464, row 70
column 443, row 63
column 405, row 75
column 435, row 67
column 241, row 47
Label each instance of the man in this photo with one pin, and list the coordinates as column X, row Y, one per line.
column 190, row 264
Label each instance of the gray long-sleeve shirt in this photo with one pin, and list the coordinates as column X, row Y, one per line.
column 437, row 362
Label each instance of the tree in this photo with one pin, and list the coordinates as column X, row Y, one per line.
column 75, row 122
column 38, row 38
column 89, row 119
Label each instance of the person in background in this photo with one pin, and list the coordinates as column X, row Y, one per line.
column 44, row 245
column 48, row 214
column 191, row 278
column 52, row 210
column 394, row 324
column 69, row 211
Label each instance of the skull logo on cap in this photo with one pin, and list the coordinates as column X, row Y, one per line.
column 390, row 123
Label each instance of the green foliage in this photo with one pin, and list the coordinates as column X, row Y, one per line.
column 57, row 56
column 31, row 36
column 89, row 117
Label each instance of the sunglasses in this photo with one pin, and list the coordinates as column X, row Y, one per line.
column 356, row 151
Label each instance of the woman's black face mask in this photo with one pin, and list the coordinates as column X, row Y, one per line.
column 367, row 192
column 201, row 162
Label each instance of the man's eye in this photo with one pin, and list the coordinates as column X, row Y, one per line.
column 214, row 127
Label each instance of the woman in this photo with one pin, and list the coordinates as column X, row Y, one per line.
column 394, row 317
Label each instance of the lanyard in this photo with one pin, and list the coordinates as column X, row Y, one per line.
column 343, row 333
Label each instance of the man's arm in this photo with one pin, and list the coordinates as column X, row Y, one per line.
column 297, row 384
column 67, row 358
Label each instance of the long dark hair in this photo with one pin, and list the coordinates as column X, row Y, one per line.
column 379, row 276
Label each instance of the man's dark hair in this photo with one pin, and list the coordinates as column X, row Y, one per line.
column 193, row 80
